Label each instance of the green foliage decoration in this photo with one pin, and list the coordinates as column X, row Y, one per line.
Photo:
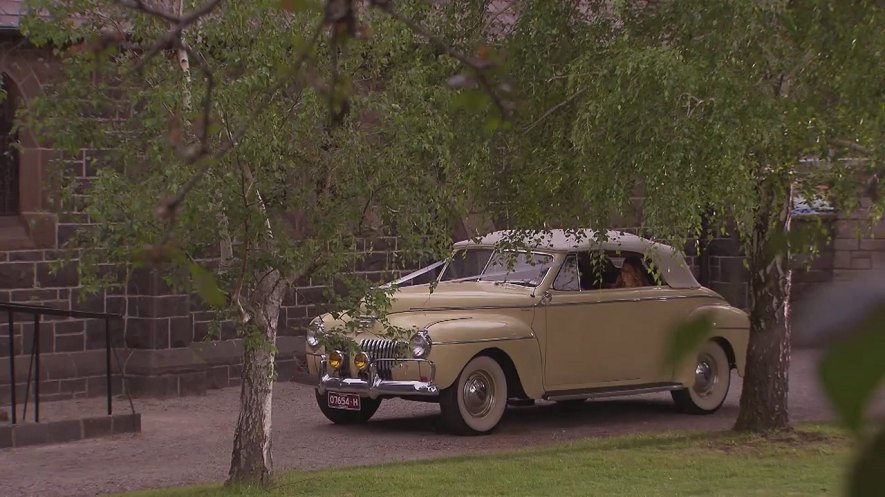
column 297, row 188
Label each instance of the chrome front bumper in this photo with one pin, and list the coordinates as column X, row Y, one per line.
column 375, row 387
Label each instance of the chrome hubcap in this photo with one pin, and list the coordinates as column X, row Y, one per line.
column 478, row 393
column 705, row 376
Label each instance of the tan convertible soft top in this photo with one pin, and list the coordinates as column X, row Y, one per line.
column 668, row 260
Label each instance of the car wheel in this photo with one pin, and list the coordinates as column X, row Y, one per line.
column 343, row 417
column 711, row 381
column 475, row 403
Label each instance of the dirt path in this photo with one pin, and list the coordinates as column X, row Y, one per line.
column 188, row 440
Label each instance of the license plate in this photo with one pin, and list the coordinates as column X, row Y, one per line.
column 348, row 401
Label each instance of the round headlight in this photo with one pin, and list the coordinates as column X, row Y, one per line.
column 420, row 345
column 315, row 332
column 361, row 361
column 336, row 359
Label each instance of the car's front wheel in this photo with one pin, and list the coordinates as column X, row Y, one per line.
column 346, row 417
column 475, row 403
column 711, row 381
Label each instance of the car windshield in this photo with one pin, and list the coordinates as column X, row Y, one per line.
column 508, row 266
column 520, row 268
column 466, row 264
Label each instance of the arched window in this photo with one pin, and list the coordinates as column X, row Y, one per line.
column 9, row 172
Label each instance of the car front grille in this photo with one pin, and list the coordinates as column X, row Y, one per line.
column 382, row 349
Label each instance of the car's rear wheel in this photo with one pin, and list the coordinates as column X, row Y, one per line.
column 475, row 403
column 344, row 417
column 712, row 379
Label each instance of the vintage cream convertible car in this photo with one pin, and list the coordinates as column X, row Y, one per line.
column 569, row 320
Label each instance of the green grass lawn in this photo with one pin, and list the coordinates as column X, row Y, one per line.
column 809, row 462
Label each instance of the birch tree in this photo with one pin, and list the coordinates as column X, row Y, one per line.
column 249, row 145
column 716, row 108
column 561, row 112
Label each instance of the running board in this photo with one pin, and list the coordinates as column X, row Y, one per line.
column 599, row 393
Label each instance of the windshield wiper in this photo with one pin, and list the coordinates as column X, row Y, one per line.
column 466, row 278
column 528, row 283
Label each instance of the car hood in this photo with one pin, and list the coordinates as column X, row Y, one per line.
column 416, row 307
column 460, row 295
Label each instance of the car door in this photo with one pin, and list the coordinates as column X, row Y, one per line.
column 638, row 323
column 635, row 324
column 578, row 349
column 657, row 315
column 599, row 336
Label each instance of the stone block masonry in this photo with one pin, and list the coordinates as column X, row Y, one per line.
column 853, row 250
column 24, row 434
column 167, row 345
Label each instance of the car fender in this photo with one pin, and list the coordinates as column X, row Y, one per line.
column 728, row 324
column 457, row 341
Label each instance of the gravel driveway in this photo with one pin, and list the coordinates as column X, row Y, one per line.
column 188, row 440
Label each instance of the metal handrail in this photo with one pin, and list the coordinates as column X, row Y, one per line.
column 51, row 311
column 37, row 311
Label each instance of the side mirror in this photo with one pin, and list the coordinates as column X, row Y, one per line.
column 546, row 298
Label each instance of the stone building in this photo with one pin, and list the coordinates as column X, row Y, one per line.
column 847, row 256
column 162, row 344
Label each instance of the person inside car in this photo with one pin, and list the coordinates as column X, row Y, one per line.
column 631, row 274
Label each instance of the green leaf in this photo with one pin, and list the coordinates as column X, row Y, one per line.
column 852, row 370
column 472, row 100
column 867, row 478
column 206, row 286
column 686, row 338
column 495, row 123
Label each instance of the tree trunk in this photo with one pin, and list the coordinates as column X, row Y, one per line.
column 251, row 460
column 763, row 405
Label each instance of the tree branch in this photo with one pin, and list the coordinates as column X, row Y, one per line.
column 168, row 206
column 172, row 38
column 849, row 144
column 479, row 66
column 552, row 110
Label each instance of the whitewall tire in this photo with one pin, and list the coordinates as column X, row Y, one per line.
column 712, row 379
column 475, row 403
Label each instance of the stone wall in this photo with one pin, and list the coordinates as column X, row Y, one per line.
column 725, row 272
column 858, row 248
column 164, row 343
column 854, row 249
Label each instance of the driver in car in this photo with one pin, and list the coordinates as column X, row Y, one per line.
column 631, row 274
